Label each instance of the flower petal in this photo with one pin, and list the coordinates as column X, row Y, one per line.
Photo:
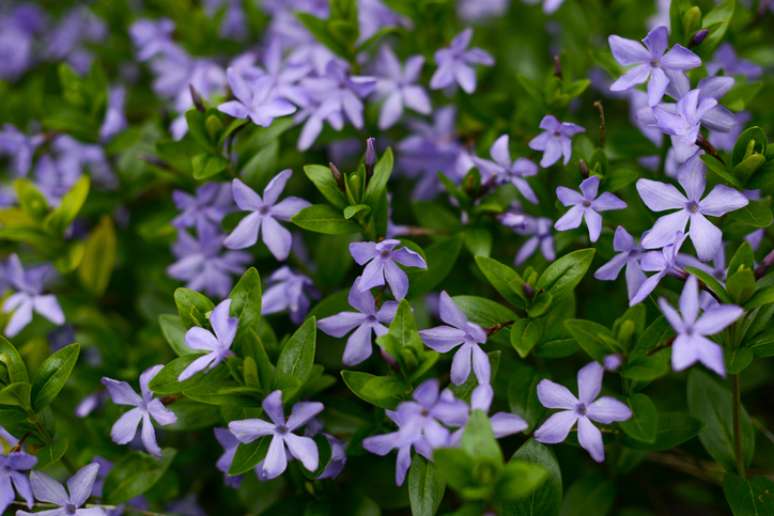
column 589, row 382
column 590, row 439
column 660, row 196
column 554, row 395
column 556, row 428
column 606, row 410
column 304, row 449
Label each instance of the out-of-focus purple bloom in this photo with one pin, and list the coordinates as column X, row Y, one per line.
column 503, row 423
column 717, row 118
column 18, row 30
column 14, row 467
column 692, row 344
column 431, row 148
column 612, row 362
column 216, row 344
column 725, row 140
column 28, row 296
column 367, row 320
column 255, row 100
column 204, row 264
column 19, row 148
column 456, row 62
column 682, row 122
column 229, row 443
column 459, row 332
column 539, row 231
column 629, row 253
column 396, row 85
column 234, row 24
column 382, row 259
column 338, row 452
column 114, row 121
column 641, row 115
column 705, row 236
column 278, row 77
column 584, row 409
column 205, row 209
column 70, row 501
column 726, row 60
column 373, row 16
column 145, row 408
column 56, row 174
column 502, row 169
column 151, row 37
column 586, row 206
column 555, row 141
column 652, row 62
column 65, row 41
column 420, row 426
column 288, row 291
column 283, row 440
column 265, row 211
column 549, row 6
column 90, row 403
column 477, row 10
column 186, row 506
column 663, row 262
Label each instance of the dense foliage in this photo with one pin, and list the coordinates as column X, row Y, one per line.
column 387, row 256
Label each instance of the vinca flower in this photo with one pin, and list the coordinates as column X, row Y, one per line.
column 629, row 253
column 147, row 408
column 585, row 206
column 264, row 213
column 397, row 85
column 216, row 343
column 19, row 148
column 256, row 100
column 682, row 122
column 652, row 63
column 692, row 344
column 381, row 265
column 28, row 296
column 555, row 141
column 663, row 262
column 503, row 423
column 504, row 170
column 726, row 60
column 283, row 440
column 14, row 468
column 205, row 209
column 539, row 231
column 229, row 443
column 705, row 236
column 585, row 409
column 455, row 63
column 69, row 501
column 368, row 320
column 461, row 333
column 289, row 291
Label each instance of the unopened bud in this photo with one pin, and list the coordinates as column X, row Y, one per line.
column 370, row 155
column 691, row 20
column 197, row 99
column 584, row 168
column 336, row 173
column 698, row 38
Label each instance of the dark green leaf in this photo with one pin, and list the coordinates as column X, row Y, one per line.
column 546, row 499
column 504, row 279
column 323, row 218
column 565, row 273
column 425, row 487
column 323, row 179
column 52, row 375
column 591, row 494
column 382, row 391
column 135, row 474
column 644, row 422
column 749, row 497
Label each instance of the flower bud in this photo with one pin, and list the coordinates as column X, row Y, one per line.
column 691, row 20
column 698, row 38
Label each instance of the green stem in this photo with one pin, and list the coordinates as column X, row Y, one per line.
column 737, row 412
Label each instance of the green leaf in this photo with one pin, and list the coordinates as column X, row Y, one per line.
column 441, row 256
column 646, row 368
column 51, row 453
column 546, row 499
column 712, row 284
column 743, row 256
column 717, row 21
column 504, row 279
column 323, row 179
column 752, row 140
column 382, row 391
column 208, row 165
column 52, row 375
column 711, row 403
column 352, row 211
column 17, row 371
column 478, row 241
column 479, row 441
column 248, row 456
column 762, row 297
column 135, row 474
column 193, row 307
column 99, row 257
column 484, row 312
column 749, row 497
column 643, row 424
column 591, row 494
column 173, row 330
column 16, row 394
column 455, row 467
column 296, row 358
column 60, row 219
column 323, row 218
column 525, row 335
column 564, row 274
column 522, row 392
column 596, row 340
column 377, row 185
column 656, row 334
column 402, row 341
column 757, row 214
column 741, row 285
column 31, row 199
column 519, row 479
column 425, row 486
column 246, row 299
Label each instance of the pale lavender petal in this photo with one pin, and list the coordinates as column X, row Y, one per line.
column 556, row 428
column 505, row 424
column 442, row 338
column 627, row 51
column 245, row 234
column 248, row 430
column 245, row 197
column 711, row 355
column 200, row 364
column 276, row 460
column 161, row 414
column 554, row 395
column 680, row 58
column 125, row 427
column 705, row 236
column 121, row 392
column 46, row 489
column 611, row 270
column 657, row 41
column 608, row 201
column 275, row 187
column 665, row 229
column 362, row 251
column 460, row 369
column 660, row 196
column 657, row 86
column 200, row 339
column 342, row 323
column 684, row 352
column 148, row 435
column 288, row 207
column 302, row 412
column 568, row 197
column 689, row 301
column 590, row 439
column 304, row 450
column 671, row 315
column 570, row 220
column 381, row 444
column 594, row 223
column 48, row 307
column 450, row 313
column 80, row 485
column 722, row 200
column 481, row 366
column 396, row 279
column 607, row 410
column 589, row 382
column 272, row 405
column 358, row 346
column 717, row 318
column 373, row 276
column 631, row 78
column 409, row 258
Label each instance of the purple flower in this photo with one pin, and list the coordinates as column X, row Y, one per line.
column 504, row 170
column 555, row 141
column 66, row 40
column 264, row 215
column 70, row 501
column 653, row 63
column 338, row 452
column 478, row 10
column 692, row 344
column 114, row 121
column 19, row 147
column 455, row 63
column 205, row 209
column 234, row 24
column 383, row 259
column 663, row 262
column 16, row 47
column 151, row 37
column 503, row 423
column 255, row 100
column 281, row 75
column 203, row 263
column 705, row 236
column 229, row 443
column 396, row 84
column 420, row 426
column 586, row 206
column 373, row 15
column 13, row 475
column 367, row 320
column 726, row 60
column 725, row 140
column 539, row 231
column 584, row 409
column 288, row 291
column 145, row 408
column 217, row 345
column 629, row 253
column 612, row 361
column 682, row 122
column 458, row 331
column 28, row 296
column 283, row 440
column 549, row 6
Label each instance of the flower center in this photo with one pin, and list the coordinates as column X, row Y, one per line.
column 692, row 206
column 371, row 318
column 580, row 409
column 70, row 508
column 281, row 429
column 586, row 204
column 264, row 210
column 385, row 253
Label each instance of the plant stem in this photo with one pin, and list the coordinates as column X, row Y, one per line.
column 737, row 412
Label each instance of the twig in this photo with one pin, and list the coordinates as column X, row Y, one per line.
column 707, row 147
column 706, row 471
column 557, row 67
column 602, row 127
column 497, row 327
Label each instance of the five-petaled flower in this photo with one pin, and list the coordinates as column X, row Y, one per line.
column 70, row 501
column 584, row 409
column 283, row 440
column 367, row 320
column 458, row 331
column 255, row 100
column 145, row 408
column 396, row 84
column 14, row 466
column 692, row 344
column 586, row 206
column 706, row 237
column 455, row 63
column 382, row 259
column 629, row 253
column 217, row 345
column 29, row 296
column 264, row 215
column 555, row 141
column 504, row 170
